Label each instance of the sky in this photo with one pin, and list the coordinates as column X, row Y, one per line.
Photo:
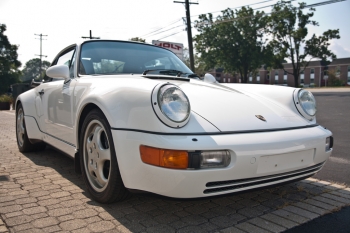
column 66, row 21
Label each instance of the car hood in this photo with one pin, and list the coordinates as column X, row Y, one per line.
column 231, row 110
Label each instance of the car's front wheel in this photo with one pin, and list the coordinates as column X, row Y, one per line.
column 98, row 160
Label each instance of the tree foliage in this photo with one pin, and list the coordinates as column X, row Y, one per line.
column 199, row 65
column 334, row 78
column 31, row 69
column 139, row 39
column 233, row 41
column 288, row 26
column 9, row 73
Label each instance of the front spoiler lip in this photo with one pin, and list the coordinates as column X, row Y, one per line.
column 218, row 133
column 218, row 195
column 232, row 185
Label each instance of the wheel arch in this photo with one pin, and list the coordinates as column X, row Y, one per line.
column 81, row 117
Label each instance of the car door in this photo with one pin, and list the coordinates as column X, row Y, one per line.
column 57, row 101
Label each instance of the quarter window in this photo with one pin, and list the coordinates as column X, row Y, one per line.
column 65, row 59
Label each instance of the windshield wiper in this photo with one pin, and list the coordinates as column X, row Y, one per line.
column 189, row 75
column 163, row 71
column 177, row 72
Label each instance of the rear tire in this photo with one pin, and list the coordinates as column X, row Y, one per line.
column 98, row 160
column 23, row 142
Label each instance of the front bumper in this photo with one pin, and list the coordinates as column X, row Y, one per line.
column 257, row 160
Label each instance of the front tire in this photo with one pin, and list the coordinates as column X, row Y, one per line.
column 98, row 160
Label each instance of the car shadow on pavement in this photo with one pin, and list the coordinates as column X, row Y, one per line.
column 143, row 212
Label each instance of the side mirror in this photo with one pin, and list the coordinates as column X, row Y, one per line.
column 209, row 78
column 59, row 72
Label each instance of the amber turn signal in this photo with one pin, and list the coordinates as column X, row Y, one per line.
column 177, row 159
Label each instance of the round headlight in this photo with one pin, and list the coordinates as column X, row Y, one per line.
column 307, row 102
column 173, row 105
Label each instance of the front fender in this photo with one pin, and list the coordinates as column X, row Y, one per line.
column 130, row 108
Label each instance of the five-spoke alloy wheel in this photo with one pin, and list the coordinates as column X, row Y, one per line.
column 98, row 160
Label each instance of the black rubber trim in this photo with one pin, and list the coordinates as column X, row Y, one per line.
column 232, row 182
column 50, row 134
column 218, row 133
column 230, row 188
column 331, row 142
column 245, row 185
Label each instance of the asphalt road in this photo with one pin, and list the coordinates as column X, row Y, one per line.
column 333, row 113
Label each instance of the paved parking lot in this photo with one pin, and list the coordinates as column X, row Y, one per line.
column 39, row 192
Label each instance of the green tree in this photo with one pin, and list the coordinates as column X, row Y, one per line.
column 199, row 65
column 9, row 73
column 139, row 39
column 288, row 27
column 233, row 41
column 334, row 78
column 32, row 69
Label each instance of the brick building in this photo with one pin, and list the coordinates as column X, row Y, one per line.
column 313, row 75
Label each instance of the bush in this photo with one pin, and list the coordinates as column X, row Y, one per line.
column 5, row 99
column 333, row 80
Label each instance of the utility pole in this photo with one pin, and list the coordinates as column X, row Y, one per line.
column 41, row 55
column 189, row 31
column 90, row 37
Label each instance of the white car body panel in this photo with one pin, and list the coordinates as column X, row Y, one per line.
column 222, row 118
column 244, row 149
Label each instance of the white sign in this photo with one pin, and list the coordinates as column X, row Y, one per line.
column 176, row 48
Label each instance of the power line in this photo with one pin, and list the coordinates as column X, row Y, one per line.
column 307, row 6
column 173, row 22
column 171, row 34
column 234, row 7
column 165, row 30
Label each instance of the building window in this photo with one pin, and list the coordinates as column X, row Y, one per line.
column 224, row 80
column 258, row 78
column 276, row 76
column 229, row 80
column 302, row 77
column 250, row 78
column 285, row 78
column 312, row 77
column 348, row 75
column 338, row 72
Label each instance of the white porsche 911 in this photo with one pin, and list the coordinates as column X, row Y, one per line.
column 134, row 117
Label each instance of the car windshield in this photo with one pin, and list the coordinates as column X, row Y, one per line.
column 115, row 57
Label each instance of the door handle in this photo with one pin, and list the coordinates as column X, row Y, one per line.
column 41, row 92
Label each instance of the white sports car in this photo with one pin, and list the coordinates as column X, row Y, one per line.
column 134, row 117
